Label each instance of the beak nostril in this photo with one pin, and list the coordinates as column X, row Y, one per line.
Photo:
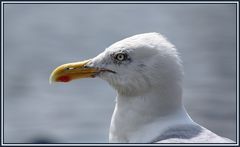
column 69, row 68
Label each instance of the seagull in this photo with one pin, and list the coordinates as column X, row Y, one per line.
column 147, row 73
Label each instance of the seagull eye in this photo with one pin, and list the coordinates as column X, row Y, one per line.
column 121, row 57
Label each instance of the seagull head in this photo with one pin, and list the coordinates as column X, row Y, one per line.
column 132, row 66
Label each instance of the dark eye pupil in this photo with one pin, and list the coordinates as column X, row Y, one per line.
column 120, row 57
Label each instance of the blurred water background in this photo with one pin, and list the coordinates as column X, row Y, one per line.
column 39, row 37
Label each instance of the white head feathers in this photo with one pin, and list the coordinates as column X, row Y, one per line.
column 151, row 61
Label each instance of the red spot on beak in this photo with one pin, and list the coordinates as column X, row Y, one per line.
column 64, row 79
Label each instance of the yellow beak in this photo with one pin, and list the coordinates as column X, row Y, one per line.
column 77, row 70
column 71, row 71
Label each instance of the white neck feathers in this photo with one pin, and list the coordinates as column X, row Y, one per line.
column 142, row 118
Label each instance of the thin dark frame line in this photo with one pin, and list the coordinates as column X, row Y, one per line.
column 237, row 70
column 2, row 39
column 2, row 3
column 119, row 3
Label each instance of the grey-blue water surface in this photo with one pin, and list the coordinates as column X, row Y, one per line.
column 39, row 37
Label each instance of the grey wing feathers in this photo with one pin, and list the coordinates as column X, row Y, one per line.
column 190, row 134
